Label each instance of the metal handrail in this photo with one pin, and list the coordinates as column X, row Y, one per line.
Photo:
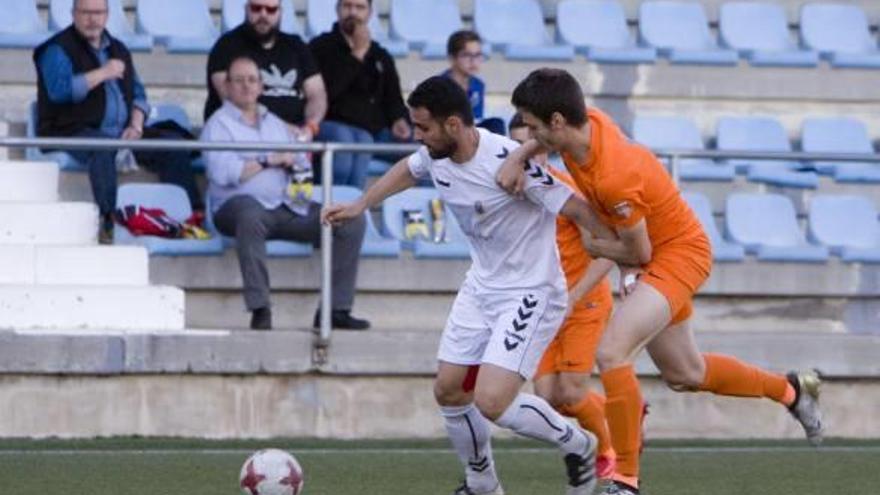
column 328, row 149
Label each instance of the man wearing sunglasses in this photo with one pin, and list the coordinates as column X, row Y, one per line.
column 292, row 86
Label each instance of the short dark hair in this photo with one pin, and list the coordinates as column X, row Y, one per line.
column 546, row 91
column 459, row 39
column 443, row 97
column 369, row 2
column 516, row 122
column 76, row 4
column 243, row 58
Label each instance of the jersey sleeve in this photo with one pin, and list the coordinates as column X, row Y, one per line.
column 419, row 163
column 545, row 190
column 622, row 196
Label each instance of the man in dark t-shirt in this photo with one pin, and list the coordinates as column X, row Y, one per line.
column 293, row 87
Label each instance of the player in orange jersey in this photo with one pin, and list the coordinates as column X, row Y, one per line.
column 664, row 257
column 564, row 372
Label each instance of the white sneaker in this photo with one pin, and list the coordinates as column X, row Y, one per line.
column 581, row 469
column 806, row 406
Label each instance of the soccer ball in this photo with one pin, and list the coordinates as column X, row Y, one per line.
column 271, row 472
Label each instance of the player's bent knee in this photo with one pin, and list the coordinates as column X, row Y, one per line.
column 447, row 394
column 682, row 381
column 608, row 358
column 491, row 406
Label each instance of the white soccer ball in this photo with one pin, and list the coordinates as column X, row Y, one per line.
column 271, row 472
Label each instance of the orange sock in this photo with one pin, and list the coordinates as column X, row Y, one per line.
column 590, row 414
column 726, row 375
column 623, row 410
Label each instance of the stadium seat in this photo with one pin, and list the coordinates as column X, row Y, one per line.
column 233, row 15
column 840, row 135
column 681, row 133
column 182, row 27
column 516, row 28
column 759, row 32
column 680, row 31
column 174, row 201
column 60, row 17
column 375, row 244
column 840, row 33
column 763, row 134
column 846, row 224
column 63, row 159
column 321, row 14
column 425, row 24
column 274, row 248
column 20, row 25
column 419, row 198
column 766, row 224
column 721, row 249
column 598, row 29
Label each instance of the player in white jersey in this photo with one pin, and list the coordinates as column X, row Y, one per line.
column 513, row 299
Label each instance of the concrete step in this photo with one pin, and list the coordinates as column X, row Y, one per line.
column 72, row 224
column 43, row 307
column 74, row 265
column 28, row 181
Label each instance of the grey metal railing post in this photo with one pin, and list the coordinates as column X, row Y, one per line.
column 326, row 248
column 675, row 170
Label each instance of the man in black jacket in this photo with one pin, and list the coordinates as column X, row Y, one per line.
column 88, row 87
column 365, row 104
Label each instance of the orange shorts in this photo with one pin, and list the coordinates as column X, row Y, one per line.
column 677, row 271
column 573, row 350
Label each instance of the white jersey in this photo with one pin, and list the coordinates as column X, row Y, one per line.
column 512, row 241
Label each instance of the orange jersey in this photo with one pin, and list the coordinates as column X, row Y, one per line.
column 573, row 255
column 625, row 183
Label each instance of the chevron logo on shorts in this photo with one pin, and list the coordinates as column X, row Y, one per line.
column 523, row 314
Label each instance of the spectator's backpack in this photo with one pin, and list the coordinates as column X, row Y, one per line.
column 155, row 222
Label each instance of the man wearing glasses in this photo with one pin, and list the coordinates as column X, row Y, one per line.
column 293, row 88
column 88, row 87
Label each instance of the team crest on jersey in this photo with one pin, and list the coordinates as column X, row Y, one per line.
column 623, row 209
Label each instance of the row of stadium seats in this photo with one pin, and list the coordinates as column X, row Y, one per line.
column 763, row 225
column 677, row 30
column 818, row 135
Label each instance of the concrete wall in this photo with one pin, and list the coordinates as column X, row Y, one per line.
column 357, row 407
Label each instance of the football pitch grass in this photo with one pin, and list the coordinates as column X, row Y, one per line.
column 197, row 467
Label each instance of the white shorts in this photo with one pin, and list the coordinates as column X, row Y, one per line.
column 507, row 329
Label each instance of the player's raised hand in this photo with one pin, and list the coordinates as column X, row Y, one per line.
column 511, row 175
column 339, row 213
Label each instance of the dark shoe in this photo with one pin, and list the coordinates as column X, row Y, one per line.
column 341, row 319
column 105, row 232
column 261, row 319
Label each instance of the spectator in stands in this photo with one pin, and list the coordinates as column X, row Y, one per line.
column 363, row 89
column 292, row 86
column 465, row 52
column 88, row 87
column 255, row 197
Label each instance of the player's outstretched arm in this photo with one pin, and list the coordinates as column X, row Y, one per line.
column 596, row 271
column 579, row 211
column 396, row 179
column 511, row 175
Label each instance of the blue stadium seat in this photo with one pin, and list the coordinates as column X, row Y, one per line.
column 418, row 198
column 766, row 224
column 375, row 244
column 425, row 24
column 174, row 201
column 846, row 224
column 182, row 27
column 20, row 25
column 759, row 31
column 516, row 27
column 840, row 33
column 680, row 31
column 681, row 133
column 598, row 29
column 63, row 159
column 321, row 14
column 721, row 249
column 60, row 17
column 274, row 248
column 840, row 135
column 763, row 134
column 233, row 15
